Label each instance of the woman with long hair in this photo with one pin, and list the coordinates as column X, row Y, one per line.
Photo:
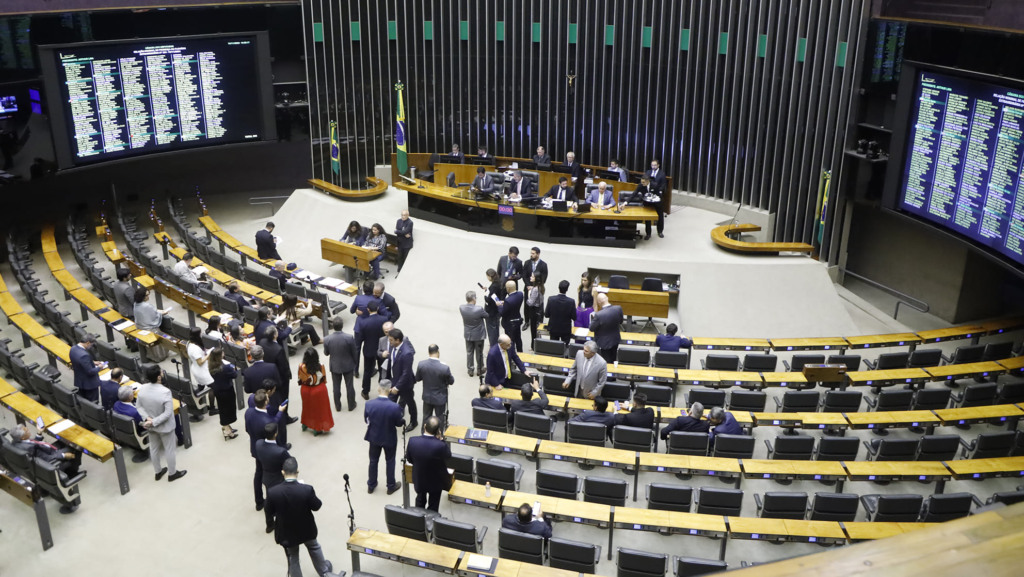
column 376, row 240
column 294, row 314
column 585, row 302
column 224, row 375
column 316, row 402
column 535, row 302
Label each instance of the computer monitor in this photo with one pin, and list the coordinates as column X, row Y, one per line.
column 609, row 174
column 583, row 207
column 527, row 165
column 488, row 161
column 559, row 206
column 449, row 159
column 561, row 168
column 8, row 105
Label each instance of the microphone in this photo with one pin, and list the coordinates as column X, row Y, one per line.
column 176, row 361
column 345, row 476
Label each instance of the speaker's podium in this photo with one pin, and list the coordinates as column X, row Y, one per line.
column 831, row 376
column 346, row 254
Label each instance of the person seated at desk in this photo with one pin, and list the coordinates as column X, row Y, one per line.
column 456, row 153
column 689, row 422
column 378, row 241
column 280, row 272
column 601, row 197
column 521, row 188
column 721, row 422
column 487, row 400
column 234, row 293
column 542, row 158
column 483, row 183
column 60, row 455
column 481, row 152
column 183, row 269
column 576, row 169
column 125, row 406
column 147, row 316
column 524, row 522
column 562, row 191
column 639, row 415
column 671, row 343
column 598, row 414
column 110, row 388
column 614, row 167
column 526, row 403
column 354, row 234
column 295, row 314
column 266, row 243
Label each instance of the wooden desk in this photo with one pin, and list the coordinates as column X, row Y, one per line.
column 495, row 440
column 53, row 260
column 767, row 529
column 803, row 470
column 561, row 509
column 970, row 415
column 868, row 531
column 56, row 348
column 1000, row 326
column 476, row 495
column 724, row 236
column 695, row 377
column 634, row 373
column 637, row 302
column 987, row 468
column 29, row 409
column 90, row 443
column 402, row 549
column 950, row 334
column 346, row 254
column 746, row 380
column 1014, row 365
column 29, row 326
column 66, row 280
column 966, row 370
column 810, row 344
column 541, row 362
column 887, row 378
column 48, row 240
column 720, row 344
column 377, row 188
column 887, row 340
column 691, row 465
column 558, row 451
column 862, row 420
column 778, row 379
column 9, row 305
column 896, row 470
column 628, row 338
column 6, row 388
column 823, row 421
column 676, row 522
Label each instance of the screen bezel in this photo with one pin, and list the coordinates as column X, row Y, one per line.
column 909, row 74
column 58, row 119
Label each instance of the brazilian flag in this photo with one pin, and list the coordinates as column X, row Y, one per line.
column 401, row 146
column 335, row 152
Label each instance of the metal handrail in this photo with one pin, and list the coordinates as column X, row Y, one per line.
column 265, row 198
column 902, row 299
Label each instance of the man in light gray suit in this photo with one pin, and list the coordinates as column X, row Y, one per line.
column 344, row 353
column 156, row 407
column 588, row 373
column 474, row 330
column 436, row 377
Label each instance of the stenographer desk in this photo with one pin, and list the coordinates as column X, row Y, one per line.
column 458, row 208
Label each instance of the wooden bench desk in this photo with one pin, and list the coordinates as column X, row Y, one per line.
column 676, row 522
column 561, row 509
column 558, row 451
column 628, row 338
column 402, row 549
column 49, row 241
column 29, row 327
column 638, row 303
column 781, row 530
column 9, row 305
column 884, row 419
column 546, row 363
column 746, row 380
column 29, row 494
column 793, row 470
column 730, row 344
column 897, row 471
column 966, row 370
column 724, row 236
column 869, row 531
column 30, row 409
column 699, row 377
column 691, row 465
column 1015, row 364
column 987, row 468
column 634, row 373
column 781, row 379
column 994, row 414
column 1000, row 326
column 495, row 440
column 476, row 495
column 886, row 340
column 810, row 344
column 888, row 377
column 347, row 254
column 53, row 261
column 56, row 349
column 6, row 388
column 950, row 334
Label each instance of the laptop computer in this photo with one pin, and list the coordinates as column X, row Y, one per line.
column 559, row 206
column 583, row 207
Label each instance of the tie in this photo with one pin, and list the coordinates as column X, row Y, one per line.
column 391, row 355
column 508, row 366
column 43, row 444
column 561, row 191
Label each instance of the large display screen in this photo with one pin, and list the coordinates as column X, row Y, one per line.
column 962, row 157
column 113, row 100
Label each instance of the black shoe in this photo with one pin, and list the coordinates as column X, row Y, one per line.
column 370, row 489
column 214, row 412
column 259, row 506
column 661, row 235
column 287, row 446
column 161, row 474
column 292, row 420
column 366, row 396
column 270, row 528
column 648, row 237
column 176, row 476
column 397, row 486
column 411, row 426
column 140, row 457
column 68, row 509
column 356, row 374
column 352, row 407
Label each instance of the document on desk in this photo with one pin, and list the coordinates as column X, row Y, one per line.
column 333, row 283
column 306, row 275
column 582, row 332
column 60, row 426
column 122, row 325
column 481, row 563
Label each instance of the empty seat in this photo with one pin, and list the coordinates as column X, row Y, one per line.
column 834, row 507
column 841, row 402
column 891, row 400
column 989, row 445
column 798, row 362
column 707, row 397
column 747, row 401
column 458, row 535
column 931, row 399
column 997, row 351
column 657, row 395
column 632, row 438
column 463, row 467
column 522, row 547
column 976, row 395
column 593, row 434
column 733, row 447
column 692, row 566
column 638, row 356
column 618, row 281
column 490, row 419
column 672, row 360
column 892, row 449
column 688, row 443
column 892, row 508
column 549, row 347
column 574, row 556
column 759, row 363
column 412, row 523
column 938, row 447
column 946, row 507
column 534, row 425
column 500, row 474
column 966, row 354
column 714, row 501
column 633, row 563
column 924, row 358
column 556, row 484
column 791, row 447
column 1006, row 497
column 668, row 497
column 95, row 417
column 852, row 362
column 67, row 402
column 838, row 449
column 715, row 362
column 798, row 402
column 616, row 391
column 779, row 505
column 888, row 361
column 605, row 491
column 1010, row 393
column 573, row 348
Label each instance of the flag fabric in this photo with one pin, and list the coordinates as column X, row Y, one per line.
column 401, row 146
column 826, row 181
column 335, row 152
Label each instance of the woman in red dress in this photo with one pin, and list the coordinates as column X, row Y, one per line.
column 316, row 403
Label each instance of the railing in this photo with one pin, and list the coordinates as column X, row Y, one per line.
column 258, row 200
column 902, row 299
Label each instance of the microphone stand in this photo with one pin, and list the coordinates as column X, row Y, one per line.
column 405, row 484
column 351, row 510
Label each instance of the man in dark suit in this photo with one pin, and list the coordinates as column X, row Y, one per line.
column 271, row 457
column 256, row 421
column 428, row 454
column 491, row 295
column 502, row 361
column 481, row 152
column 360, row 308
column 535, row 272
column 235, row 293
column 263, row 323
column 606, row 327
column 266, row 245
column 259, row 372
column 659, row 182
column 524, row 522
column 721, row 422
column 382, row 416
column 570, row 163
column 510, row 268
column 436, row 377
column 542, row 158
column 457, row 152
column 277, row 355
column 483, row 183
column 599, row 414
column 387, row 301
column 372, row 331
column 344, row 356
column 562, row 191
column 487, row 399
column 520, row 188
column 561, row 314
column 86, row 369
column 527, row 403
column 687, row 423
column 639, row 415
column 403, row 231
column 62, row 457
column 535, row 268
column 511, row 315
column 108, row 392
column 404, row 380
column 292, row 504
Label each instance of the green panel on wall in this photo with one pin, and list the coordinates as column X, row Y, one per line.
column 499, row 31
column 762, row 45
column 318, row 32
column 536, row 31
column 392, row 30
column 464, row 30
column 609, row 35
column 646, row 36
column 428, row 29
column 801, row 49
column 684, row 39
column 723, row 43
column 354, row 30
column 841, row 55
column 572, row 33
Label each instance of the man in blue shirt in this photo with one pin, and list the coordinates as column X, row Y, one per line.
column 723, row 423
column 523, row 521
column 670, row 342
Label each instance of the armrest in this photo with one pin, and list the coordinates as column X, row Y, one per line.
column 871, row 450
column 967, row 445
column 977, row 501
column 481, row 533
column 32, row 367
column 785, row 363
column 770, row 449
column 945, row 360
column 778, row 403
column 703, row 367
column 872, row 402
column 758, row 503
column 957, row 397
column 72, row 481
column 870, row 365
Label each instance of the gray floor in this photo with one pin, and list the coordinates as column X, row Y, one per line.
column 205, row 523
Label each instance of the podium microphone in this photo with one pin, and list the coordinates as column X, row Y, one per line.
column 351, row 510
